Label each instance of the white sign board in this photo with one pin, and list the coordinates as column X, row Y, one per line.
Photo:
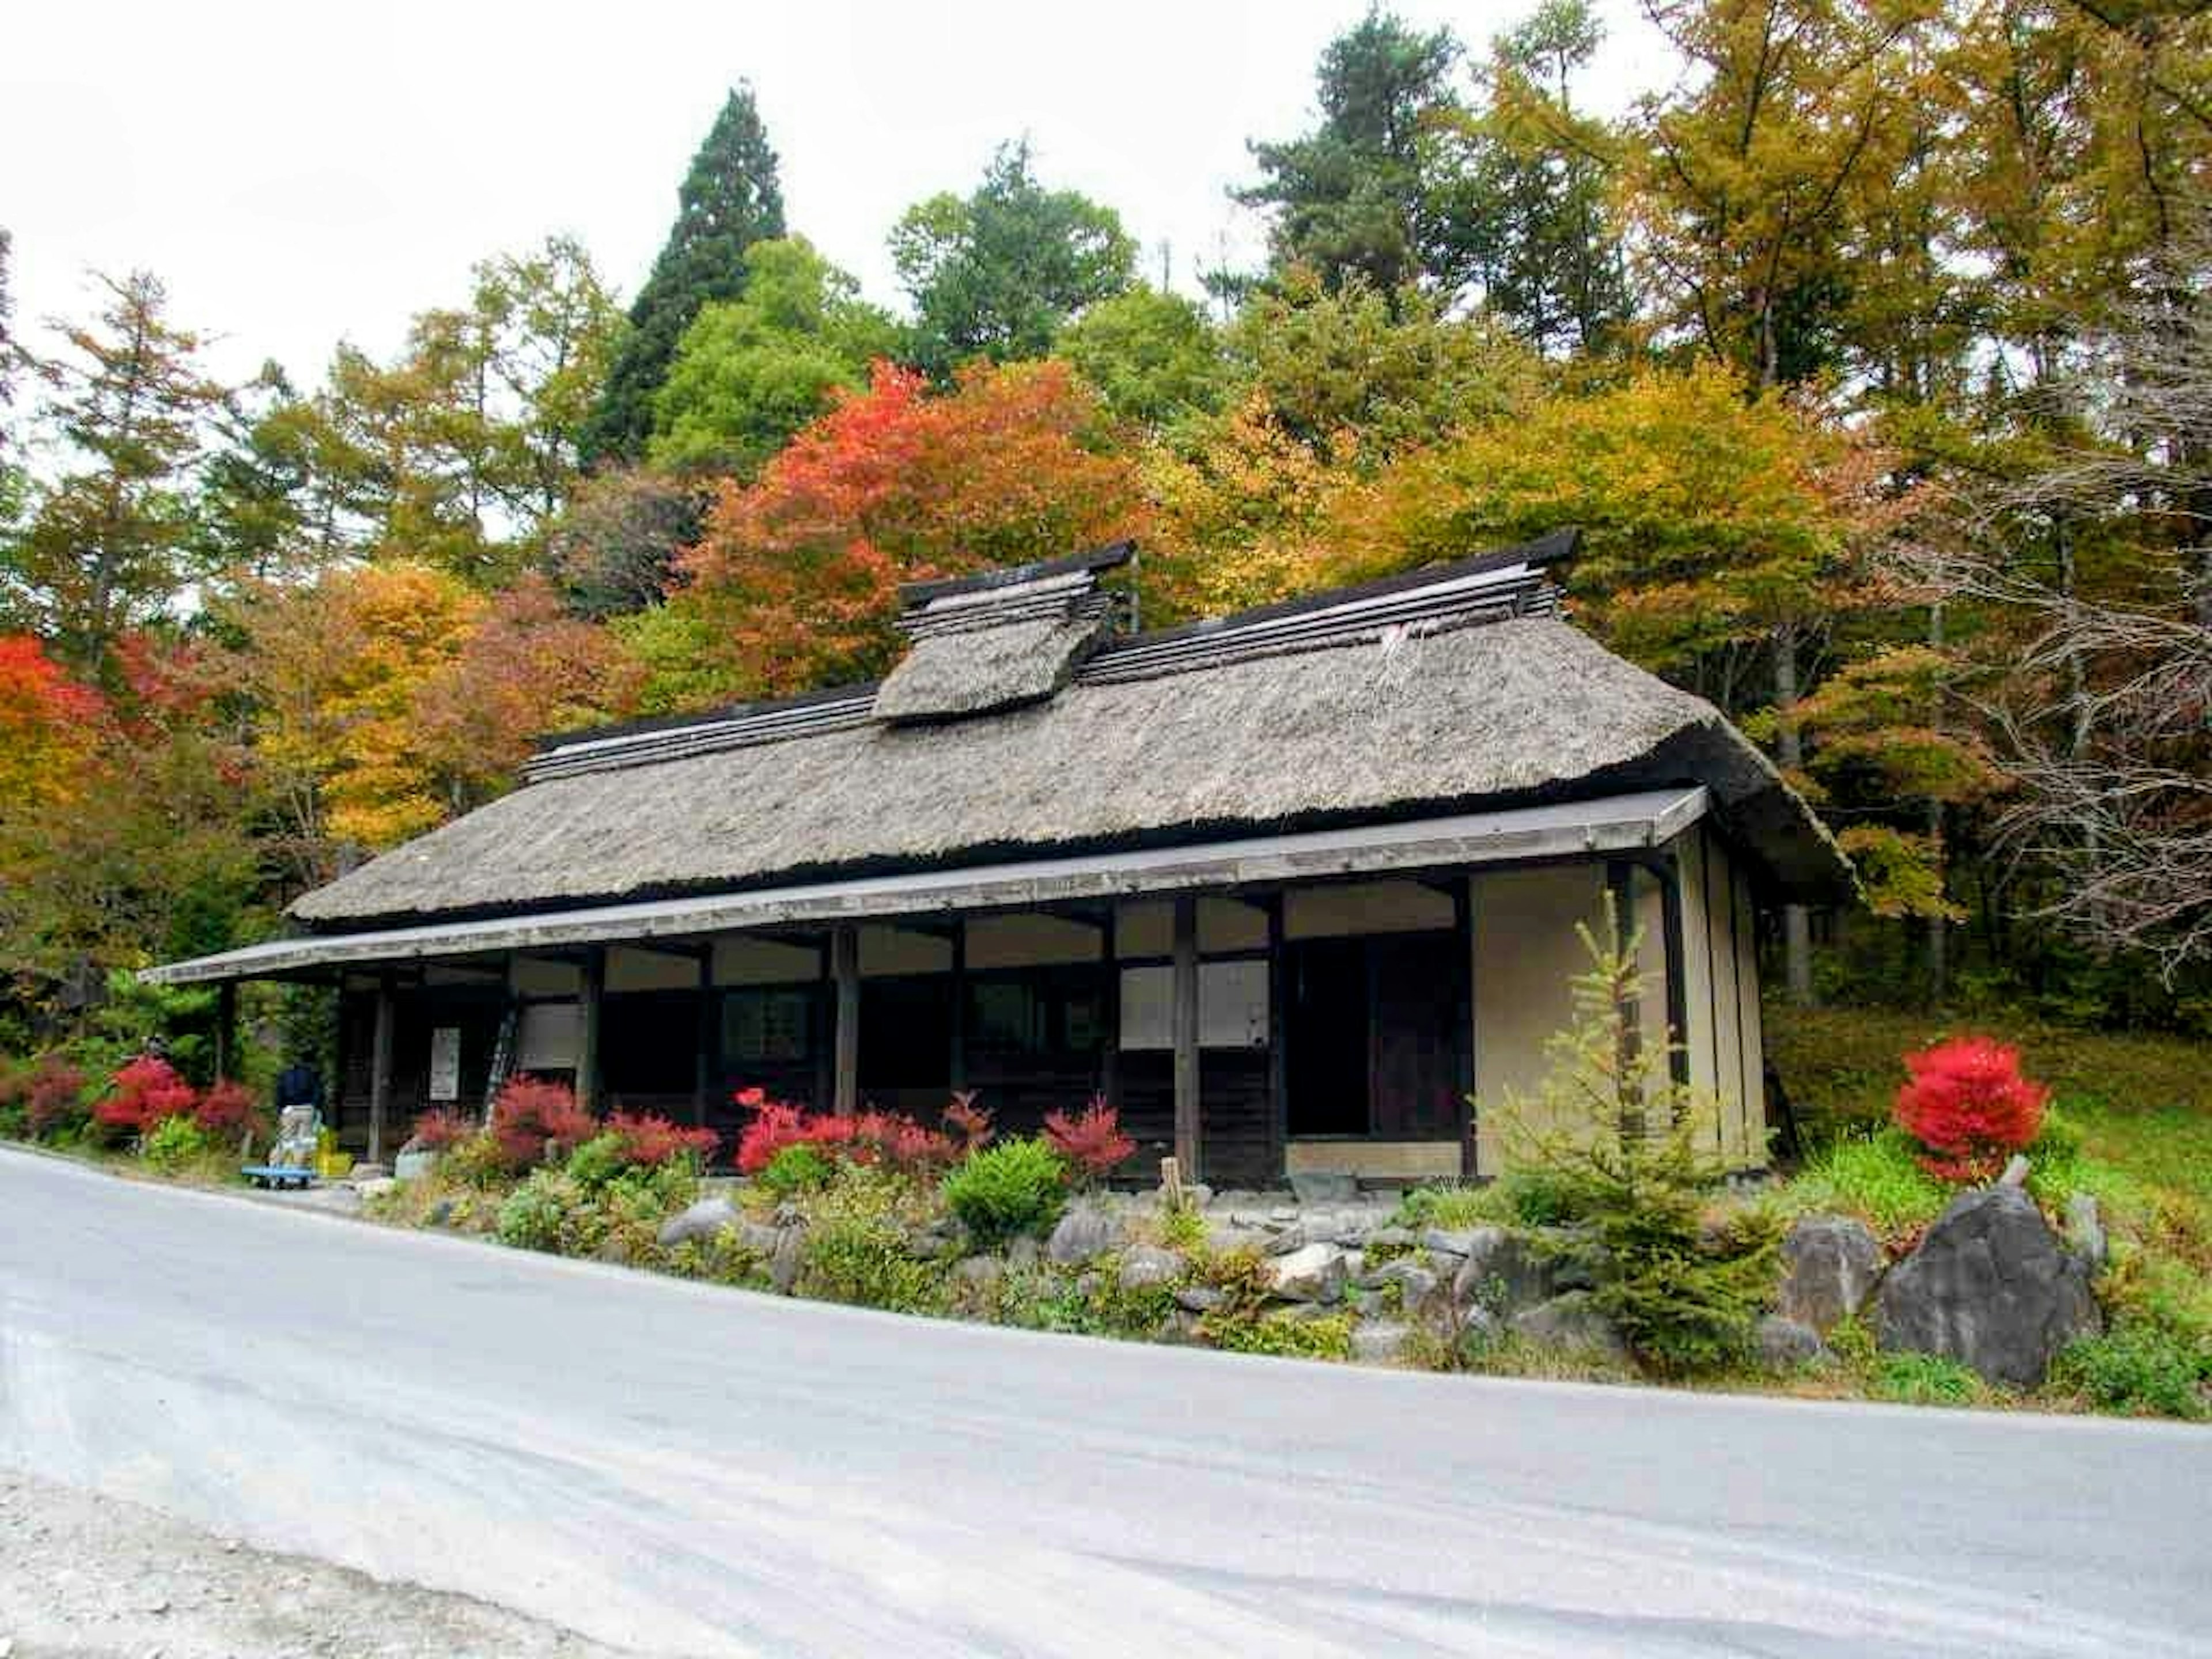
column 446, row 1063
column 1232, row 1005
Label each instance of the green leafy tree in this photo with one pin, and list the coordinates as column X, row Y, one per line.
column 751, row 372
column 1151, row 356
column 729, row 200
column 998, row 273
column 109, row 545
column 1350, row 197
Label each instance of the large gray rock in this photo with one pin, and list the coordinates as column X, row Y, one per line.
column 1504, row 1272
column 1086, row 1232
column 1379, row 1344
column 1445, row 1240
column 787, row 1259
column 1830, row 1265
column 1145, row 1267
column 1570, row 1324
column 1991, row 1287
column 1415, row 1283
column 979, row 1274
column 1788, row 1344
column 1198, row 1298
column 2085, row 1231
column 1325, row 1187
column 702, row 1221
column 1313, row 1272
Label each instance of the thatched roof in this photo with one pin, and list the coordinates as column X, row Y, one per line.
column 1382, row 722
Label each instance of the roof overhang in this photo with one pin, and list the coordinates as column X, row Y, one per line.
column 1609, row 824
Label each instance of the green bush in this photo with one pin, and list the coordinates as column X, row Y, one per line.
column 1328, row 1337
column 597, row 1161
column 801, row 1167
column 549, row 1211
column 176, row 1143
column 1923, row 1379
column 2139, row 1366
column 1011, row 1188
column 857, row 1248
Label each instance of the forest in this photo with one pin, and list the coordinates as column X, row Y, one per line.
column 1874, row 358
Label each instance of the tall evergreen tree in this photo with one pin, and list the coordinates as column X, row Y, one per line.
column 1348, row 198
column 729, row 200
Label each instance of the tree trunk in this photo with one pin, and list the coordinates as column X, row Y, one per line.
column 1789, row 750
column 1938, row 937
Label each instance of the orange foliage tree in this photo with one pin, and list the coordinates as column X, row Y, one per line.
column 797, row 573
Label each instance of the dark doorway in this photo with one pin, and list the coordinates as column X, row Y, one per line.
column 906, row 1043
column 1326, row 1046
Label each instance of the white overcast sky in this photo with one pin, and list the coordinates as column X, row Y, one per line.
column 303, row 172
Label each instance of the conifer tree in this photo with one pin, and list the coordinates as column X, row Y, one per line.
column 729, row 200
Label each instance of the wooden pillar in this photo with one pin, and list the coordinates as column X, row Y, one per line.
column 379, row 1063
column 1186, row 1097
column 845, row 971
column 590, row 1007
column 956, row 1061
column 1278, row 1056
column 707, row 1040
column 1109, row 1003
column 226, row 1027
column 1674, row 948
column 1462, row 895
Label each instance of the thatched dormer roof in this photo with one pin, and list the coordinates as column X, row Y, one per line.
column 1452, row 690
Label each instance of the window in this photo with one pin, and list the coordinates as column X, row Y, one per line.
column 766, row 1026
column 1039, row 1012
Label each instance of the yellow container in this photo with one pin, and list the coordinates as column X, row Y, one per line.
column 331, row 1165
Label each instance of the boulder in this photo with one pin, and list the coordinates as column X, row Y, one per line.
column 440, row 1212
column 375, row 1187
column 1991, row 1287
column 1830, row 1265
column 1504, row 1272
column 1313, row 1272
column 1415, row 1283
column 1198, row 1298
column 413, row 1165
column 1325, row 1187
column 1442, row 1241
column 787, row 1258
column 1023, row 1252
column 1379, row 1344
column 1392, row 1238
column 1145, row 1267
column 1085, row 1233
column 702, row 1221
column 2085, row 1231
column 1232, row 1239
column 1570, row 1324
column 1788, row 1344
column 980, row 1273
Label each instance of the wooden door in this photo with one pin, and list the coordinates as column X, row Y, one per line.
column 1414, row 1001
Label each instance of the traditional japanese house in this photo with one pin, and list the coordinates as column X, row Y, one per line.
column 1288, row 887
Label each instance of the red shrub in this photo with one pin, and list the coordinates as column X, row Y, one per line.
column 1969, row 1107
column 649, row 1141
column 229, row 1109
column 1092, row 1141
column 897, row 1142
column 531, row 1112
column 54, row 1098
column 775, row 1127
column 142, row 1094
column 890, row 1139
column 434, row 1132
column 967, row 1122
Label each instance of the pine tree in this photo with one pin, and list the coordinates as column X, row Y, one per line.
column 729, row 200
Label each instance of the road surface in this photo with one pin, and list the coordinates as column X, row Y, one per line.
column 681, row 1469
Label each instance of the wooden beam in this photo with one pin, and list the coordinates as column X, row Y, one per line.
column 1187, row 1096
column 706, row 1040
column 226, row 1027
column 1278, row 1026
column 1462, row 896
column 590, row 1007
column 1109, row 1046
column 845, row 971
column 956, row 1061
column 380, row 1065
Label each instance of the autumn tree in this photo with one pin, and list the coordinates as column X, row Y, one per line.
column 749, row 373
column 730, row 200
column 797, row 571
column 997, row 273
column 613, row 549
column 1351, row 196
column 108, row 544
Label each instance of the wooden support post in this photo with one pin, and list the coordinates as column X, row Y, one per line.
column 1109, row 1044
column 1462, row 895
column 844, row 970
column 1278, row 1056
column 707, row 1040
column 1186, row 1097
column 590, row 1007
column 226, row 1027
column 379, row 1063
column 956, row 1061
column 1675, row 949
